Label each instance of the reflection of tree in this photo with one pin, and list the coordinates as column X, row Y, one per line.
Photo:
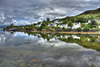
column 87, row 41
column 45, row 36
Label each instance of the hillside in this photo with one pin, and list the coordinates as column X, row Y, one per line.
column 94, row 13
column 97, row 11
column 85, row 16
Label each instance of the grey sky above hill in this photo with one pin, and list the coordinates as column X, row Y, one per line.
column 15, row 11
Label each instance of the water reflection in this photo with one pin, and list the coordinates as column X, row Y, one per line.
column 27, row 49
column 87, row 41
column 1, row 29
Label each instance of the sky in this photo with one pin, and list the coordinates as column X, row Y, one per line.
column 22, row 12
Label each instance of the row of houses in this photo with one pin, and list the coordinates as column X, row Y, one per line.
column 57, row 23
column 75, row 25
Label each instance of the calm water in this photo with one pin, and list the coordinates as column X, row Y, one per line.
column 20, row 49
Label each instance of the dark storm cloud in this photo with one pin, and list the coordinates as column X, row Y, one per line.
column 37, row 9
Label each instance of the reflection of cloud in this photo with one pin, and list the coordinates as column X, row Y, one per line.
column 19, row 37
column 80, row 59
column 2, row 38
column 2, row 18
column 24, row 35
column 57, row 43
column 51, row 52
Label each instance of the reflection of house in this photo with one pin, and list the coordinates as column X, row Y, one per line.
column 76, row 25
column 75, row 37
column 99, row 37
column 13, row 29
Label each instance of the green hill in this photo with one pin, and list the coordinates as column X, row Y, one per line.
column 97, row 11
column 94, row 13
column 83, row 17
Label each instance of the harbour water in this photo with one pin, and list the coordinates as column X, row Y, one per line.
column 27, row 49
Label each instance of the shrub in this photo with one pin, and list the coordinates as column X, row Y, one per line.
column 70, row 24
column 86, row 29
column 68, row 29
column 79, row 29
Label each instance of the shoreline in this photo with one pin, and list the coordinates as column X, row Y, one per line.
column 64, row 32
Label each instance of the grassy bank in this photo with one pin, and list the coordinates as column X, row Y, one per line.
column 66, row 32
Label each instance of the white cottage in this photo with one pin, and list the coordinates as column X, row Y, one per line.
column 76, row 25
column 52, row 24
column 63, row 25
column 57, row 22
column 38, row 25
column 98, row 20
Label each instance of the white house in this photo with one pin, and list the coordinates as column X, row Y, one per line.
column 98, row 20
column 57, row 22
column 89, row 21
column 38, row 25
column 52, row 24
column 99, row 25
column 63, row 25
column 76, row 25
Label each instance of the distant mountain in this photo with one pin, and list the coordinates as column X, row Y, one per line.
column 3, row 26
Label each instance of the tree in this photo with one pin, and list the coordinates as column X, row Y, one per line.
column 34, row 24
column 12, row 25
column 44, row 24
column 83, row 25
column 39, row 22
column 93, row 22
column 70, row 24
column 63, row 28
column 48, row 19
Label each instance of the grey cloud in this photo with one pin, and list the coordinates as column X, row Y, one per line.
column 35, row 9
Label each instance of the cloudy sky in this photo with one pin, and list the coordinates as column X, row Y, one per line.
column 30, row 11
